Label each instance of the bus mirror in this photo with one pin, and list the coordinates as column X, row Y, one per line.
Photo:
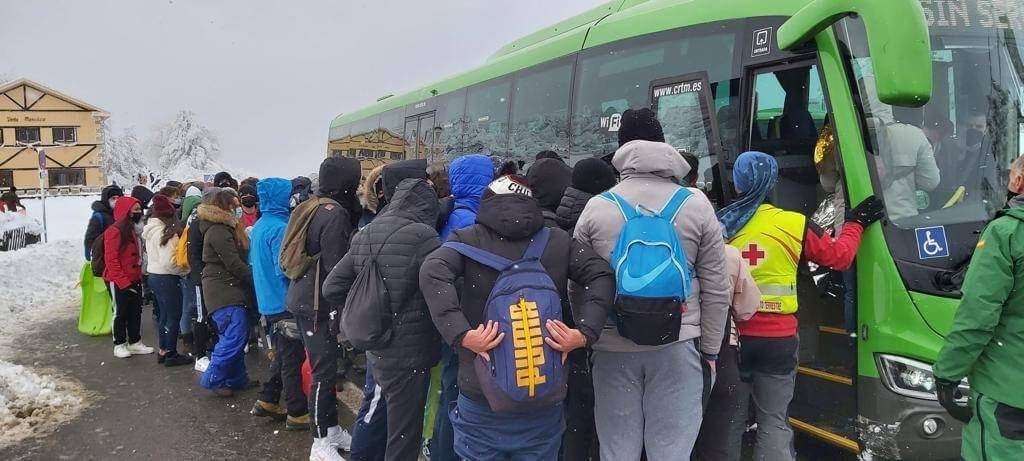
column 897, row 39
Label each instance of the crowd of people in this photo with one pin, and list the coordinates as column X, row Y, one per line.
column 577, row 313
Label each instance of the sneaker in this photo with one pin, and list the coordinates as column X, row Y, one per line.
column 339, row 438
column 297, row 423
column 324, row 451
column 174, row 359
column 139, row 349
column 273, row 411
column 202, row 364
column 121, row 351
column 161, row 357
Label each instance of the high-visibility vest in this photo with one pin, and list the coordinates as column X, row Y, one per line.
column 770, row 244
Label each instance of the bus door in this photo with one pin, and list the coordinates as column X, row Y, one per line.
column 785, row 112
column 685, row 109
column 419, row 136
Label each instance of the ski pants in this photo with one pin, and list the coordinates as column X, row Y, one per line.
column 323, row 351
column 768, row 365
column 227, row 362
column 370, row 429
column 995, row 432
column 285, row 376
column 127, row 313
column 648, row 400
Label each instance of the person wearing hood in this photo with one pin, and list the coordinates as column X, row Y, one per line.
column 399, row 239
column 123, row 270
column 225, row 278
column 224, row 180
column 160, row 235
column 102, row 216
column 773, row 241
column 327, row 235
column 193, row 195
column 250, row 205
column 508, row 219
column 590, row 177
column 302, row 188
column 549, row 178
column 271, row 284
column 986, row 341
column 394, row 173
column 371, row 194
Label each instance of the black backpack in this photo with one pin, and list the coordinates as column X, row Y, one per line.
column 96, row 251
column 366, row 318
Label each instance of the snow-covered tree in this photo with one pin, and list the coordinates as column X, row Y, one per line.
column 187, row 145
column 122, row 160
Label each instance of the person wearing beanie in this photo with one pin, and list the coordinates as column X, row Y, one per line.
column 102, row 216
column 640, row 124
column 328, row 232
column 548, row 154
column 224, row 179
column 250, row 205
column 143, row 194
column 549, row 178
column 590, row 177
column 161, row 234
column 509, row 219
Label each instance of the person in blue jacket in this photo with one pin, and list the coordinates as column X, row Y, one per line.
column 468, row 175
column 271, row 285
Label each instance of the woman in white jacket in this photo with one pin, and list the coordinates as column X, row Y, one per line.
column 161, row 238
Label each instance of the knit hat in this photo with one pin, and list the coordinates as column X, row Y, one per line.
column 548, row 154
column 245, row 191
column 162, row 206
column 508, row 184
column 143, row 195
column 223, row 179
column 640, row 124
column 593, row 176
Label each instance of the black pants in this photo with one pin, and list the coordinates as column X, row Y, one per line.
column 285, row 377
column 716, row 440
column 323, row 359
column 128, row 314
column 580, row 440
column 405, row 394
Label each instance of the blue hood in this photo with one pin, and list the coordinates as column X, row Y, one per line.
column 469, row 175
column 274, row 195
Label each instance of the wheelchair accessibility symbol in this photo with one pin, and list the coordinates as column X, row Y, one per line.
column 931, row 242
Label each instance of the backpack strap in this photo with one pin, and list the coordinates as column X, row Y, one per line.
column 675, row 203
column 538, row 244
column 627, row 209
column 484, row 257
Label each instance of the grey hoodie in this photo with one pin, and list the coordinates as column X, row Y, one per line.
column 651, row 172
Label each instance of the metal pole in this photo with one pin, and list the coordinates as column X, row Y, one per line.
column 42, row 197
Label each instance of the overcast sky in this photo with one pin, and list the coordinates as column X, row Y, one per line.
column 266, row 76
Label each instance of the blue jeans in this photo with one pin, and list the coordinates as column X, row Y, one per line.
column 483, row 435
column 227, row 362
column 188, row 304
column 441, row 443
column 167, row 289
column 370, row 429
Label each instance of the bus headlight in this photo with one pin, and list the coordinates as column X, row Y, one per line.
column 907, row 377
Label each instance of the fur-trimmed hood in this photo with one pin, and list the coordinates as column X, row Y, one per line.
column 214, row 214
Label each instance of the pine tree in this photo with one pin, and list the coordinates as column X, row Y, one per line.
column 122, row 160
column 188, row 146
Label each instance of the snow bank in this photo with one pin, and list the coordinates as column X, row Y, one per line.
column 10, row 221
column 66, row 216
column 31, row 403
column 40, row 283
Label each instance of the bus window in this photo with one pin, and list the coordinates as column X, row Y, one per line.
column 487, row 107
column 686, row 112
column 450, row 121
column 391, row 140
column 540, row 110
column 364, row 137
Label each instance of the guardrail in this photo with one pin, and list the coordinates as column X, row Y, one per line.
column 16, row 239
column 33, row 192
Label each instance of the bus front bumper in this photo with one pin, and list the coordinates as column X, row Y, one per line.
column 893, row 426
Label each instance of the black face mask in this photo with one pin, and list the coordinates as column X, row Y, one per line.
column 136, row 217
column 973, row 136
column 248, row 201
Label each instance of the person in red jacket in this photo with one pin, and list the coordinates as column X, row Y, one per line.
column 123, row 270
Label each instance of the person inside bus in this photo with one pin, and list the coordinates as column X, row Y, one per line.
column 772, row 242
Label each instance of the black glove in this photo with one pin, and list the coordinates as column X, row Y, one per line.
column 948, row 393
column 865, row 214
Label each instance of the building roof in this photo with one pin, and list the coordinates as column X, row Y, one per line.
column 52, row 92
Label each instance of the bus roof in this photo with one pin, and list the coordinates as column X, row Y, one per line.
column 609, row 22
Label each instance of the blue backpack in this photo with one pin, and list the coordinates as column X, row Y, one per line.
column 524, row 372
column 652, row 275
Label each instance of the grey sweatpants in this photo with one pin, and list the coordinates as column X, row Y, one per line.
column 648, row 400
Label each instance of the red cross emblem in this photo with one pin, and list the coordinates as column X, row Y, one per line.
column 753, row 254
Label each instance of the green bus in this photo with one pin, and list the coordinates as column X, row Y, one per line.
column 923, row 97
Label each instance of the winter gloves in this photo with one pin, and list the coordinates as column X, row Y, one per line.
column 947, row 392
column 867, row 212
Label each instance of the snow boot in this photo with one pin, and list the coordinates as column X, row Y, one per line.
column 273, row 411
column 139, row 349
column 121, row 351
column 174, row 359
column 324, row 451
column 297, row 423
column 339, row 438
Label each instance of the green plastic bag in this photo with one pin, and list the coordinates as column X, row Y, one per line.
column 96, row 315
column 433, row 402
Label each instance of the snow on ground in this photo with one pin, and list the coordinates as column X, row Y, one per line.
column 43, row 283
column 31, row 403
column 66, row 216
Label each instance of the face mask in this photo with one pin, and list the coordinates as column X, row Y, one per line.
column 973, row 136
column 176, row 202
column 829, row 181
column 238, row 213
column 136, row 217
column 248, row 201
column 112, row 202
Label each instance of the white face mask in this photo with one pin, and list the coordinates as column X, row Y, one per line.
column 112, row 202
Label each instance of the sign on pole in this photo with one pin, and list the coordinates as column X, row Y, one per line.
column 42, row 187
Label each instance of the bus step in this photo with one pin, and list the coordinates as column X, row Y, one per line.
column 825, row 434
column 833, row 330
column 832, row 374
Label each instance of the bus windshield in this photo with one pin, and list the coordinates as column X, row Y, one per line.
column 946, row 162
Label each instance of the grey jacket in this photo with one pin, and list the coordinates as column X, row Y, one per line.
column 651, row 172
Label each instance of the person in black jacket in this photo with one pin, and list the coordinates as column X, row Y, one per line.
column 202, row 337
column 399, row 238
column 590, row 177
column 507, row 220
column 328, row 238
column 102, row 216
column 548, row 179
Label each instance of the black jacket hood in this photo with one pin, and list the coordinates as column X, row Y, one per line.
column 394, row 173
column 414, row 199
column 512, row 216
column 110, row 191
column 339, row 177
column 548, row 179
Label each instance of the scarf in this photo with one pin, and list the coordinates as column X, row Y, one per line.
column 754, row 175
